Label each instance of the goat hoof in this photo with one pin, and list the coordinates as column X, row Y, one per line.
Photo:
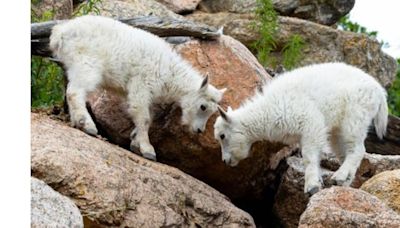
column 312, row 191
column 80, row 122
column 347, row 182
column 91, row 131
column 337, row 181
column 149, row 156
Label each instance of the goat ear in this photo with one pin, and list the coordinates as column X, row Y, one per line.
column 204, row 84
column 223, row 90
column 224, row 115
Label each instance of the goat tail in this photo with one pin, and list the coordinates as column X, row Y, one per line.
column 56, row 39
column 381, row 117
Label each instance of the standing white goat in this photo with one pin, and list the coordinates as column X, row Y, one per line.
column 99, row 51
column 318, row 106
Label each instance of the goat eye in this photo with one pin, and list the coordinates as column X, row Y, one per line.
column 222, row 136
column 203, row 108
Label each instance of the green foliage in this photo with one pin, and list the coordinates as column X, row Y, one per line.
column 88, row 7
column 292, row 51
column 267, row 26
column 348, row 25
column 47, row 83
column 46, row 15
column 394, row 94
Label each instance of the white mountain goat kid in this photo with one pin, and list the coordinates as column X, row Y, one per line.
column 102, row 52
column 319, row 106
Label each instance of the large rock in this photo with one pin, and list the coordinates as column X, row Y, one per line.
column 290, row 200
column 113, row 187
column 229, row 65
column 126, row 9
column 347, row 207
column 51, row 209
column 325, row 12
column 385, row 186
column 51, row 9
column 323, row 43
column 180, row 6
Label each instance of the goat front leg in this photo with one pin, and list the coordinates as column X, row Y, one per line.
column 312, row 144
column 140, row 113
column 312, row 179
column 353, row 132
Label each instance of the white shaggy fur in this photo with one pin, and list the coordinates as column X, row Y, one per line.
column 320, row 106
column 99, row 51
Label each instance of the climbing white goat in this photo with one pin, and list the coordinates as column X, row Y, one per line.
column 102, row 52
column 320, row 106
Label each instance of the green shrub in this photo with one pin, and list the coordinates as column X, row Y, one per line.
column 47, row 83
column 347, row 25
column 292, row 51
column 267, row 26
column 394, row 94
column 87, row 7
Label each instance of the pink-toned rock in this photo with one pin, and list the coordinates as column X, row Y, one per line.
column 229, row 64
column 180, row 6
column 347, row 207
column 113, row 187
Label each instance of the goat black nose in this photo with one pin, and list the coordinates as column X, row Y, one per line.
column 199, row 130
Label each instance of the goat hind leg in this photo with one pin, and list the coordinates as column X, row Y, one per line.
column 353, row 135
column 80, row 83
column 354, row 154
column 336, row 143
